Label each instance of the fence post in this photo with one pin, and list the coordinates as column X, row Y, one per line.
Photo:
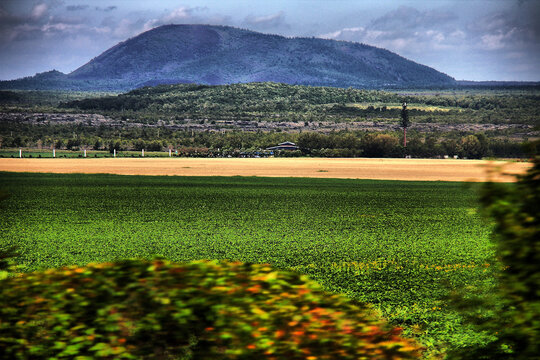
column 114, row 152
column 20, row 153
column 142, row 152
column 53, row 153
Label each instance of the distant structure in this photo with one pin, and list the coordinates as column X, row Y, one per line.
column 405, row 122
column 287, row 145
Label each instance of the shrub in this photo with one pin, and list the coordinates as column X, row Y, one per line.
column 203, row 310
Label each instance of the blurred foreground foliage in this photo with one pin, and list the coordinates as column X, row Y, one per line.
column 511, row 315
column 7, row 255
column 202, row 310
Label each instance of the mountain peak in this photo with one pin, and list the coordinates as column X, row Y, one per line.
column 215, row 54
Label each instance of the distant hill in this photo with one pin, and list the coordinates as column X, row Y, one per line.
column 250, row 99
column 206, row 54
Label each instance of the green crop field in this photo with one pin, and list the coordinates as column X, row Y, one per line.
column 400, row 246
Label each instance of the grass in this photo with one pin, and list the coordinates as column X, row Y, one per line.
column 398, row 245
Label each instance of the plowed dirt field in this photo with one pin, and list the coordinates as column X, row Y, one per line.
column 381, row 169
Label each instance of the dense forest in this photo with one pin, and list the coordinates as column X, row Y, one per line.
column 271, row 101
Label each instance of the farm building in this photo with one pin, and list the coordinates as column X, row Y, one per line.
column 287, row 145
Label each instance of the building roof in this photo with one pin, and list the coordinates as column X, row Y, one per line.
column 287, row 145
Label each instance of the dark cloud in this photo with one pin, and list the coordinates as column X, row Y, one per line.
column 106, row 9
column 514, row 30
column 76, row 7
column 9, row 20
column 42, row 24
column 273, row 21
column 15, row 27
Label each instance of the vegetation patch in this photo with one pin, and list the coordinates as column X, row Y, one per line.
column 399, row 245
column 200, row 310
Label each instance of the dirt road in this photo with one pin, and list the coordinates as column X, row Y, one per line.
column 383, row 169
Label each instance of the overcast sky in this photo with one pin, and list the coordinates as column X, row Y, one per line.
column 467, row 39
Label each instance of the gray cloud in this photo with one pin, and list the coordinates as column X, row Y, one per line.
column 408, row 19
column 106, row 9
column 43, row 24
column 406, row 29
column 503, row 30
column 510, row 39
column 180, row 15
column 131, row 26
column 77, row 7
column 8, row 20
column 272, row 21
column 39, row 10
column 412, row 31
column 84, row 7
column 18, row 27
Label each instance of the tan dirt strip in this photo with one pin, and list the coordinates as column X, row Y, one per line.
column 380, row 169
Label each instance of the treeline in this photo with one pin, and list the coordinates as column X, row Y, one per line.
column 44, row 98
column 207, row 143
column 251, row 97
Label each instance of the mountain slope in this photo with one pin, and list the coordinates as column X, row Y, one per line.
column 221, row 55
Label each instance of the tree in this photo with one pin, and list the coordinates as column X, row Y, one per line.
column 405, row 122
column 114, row 146
column 312, row 140
column 472, row 148
column 380, row 145
column 72, row 143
